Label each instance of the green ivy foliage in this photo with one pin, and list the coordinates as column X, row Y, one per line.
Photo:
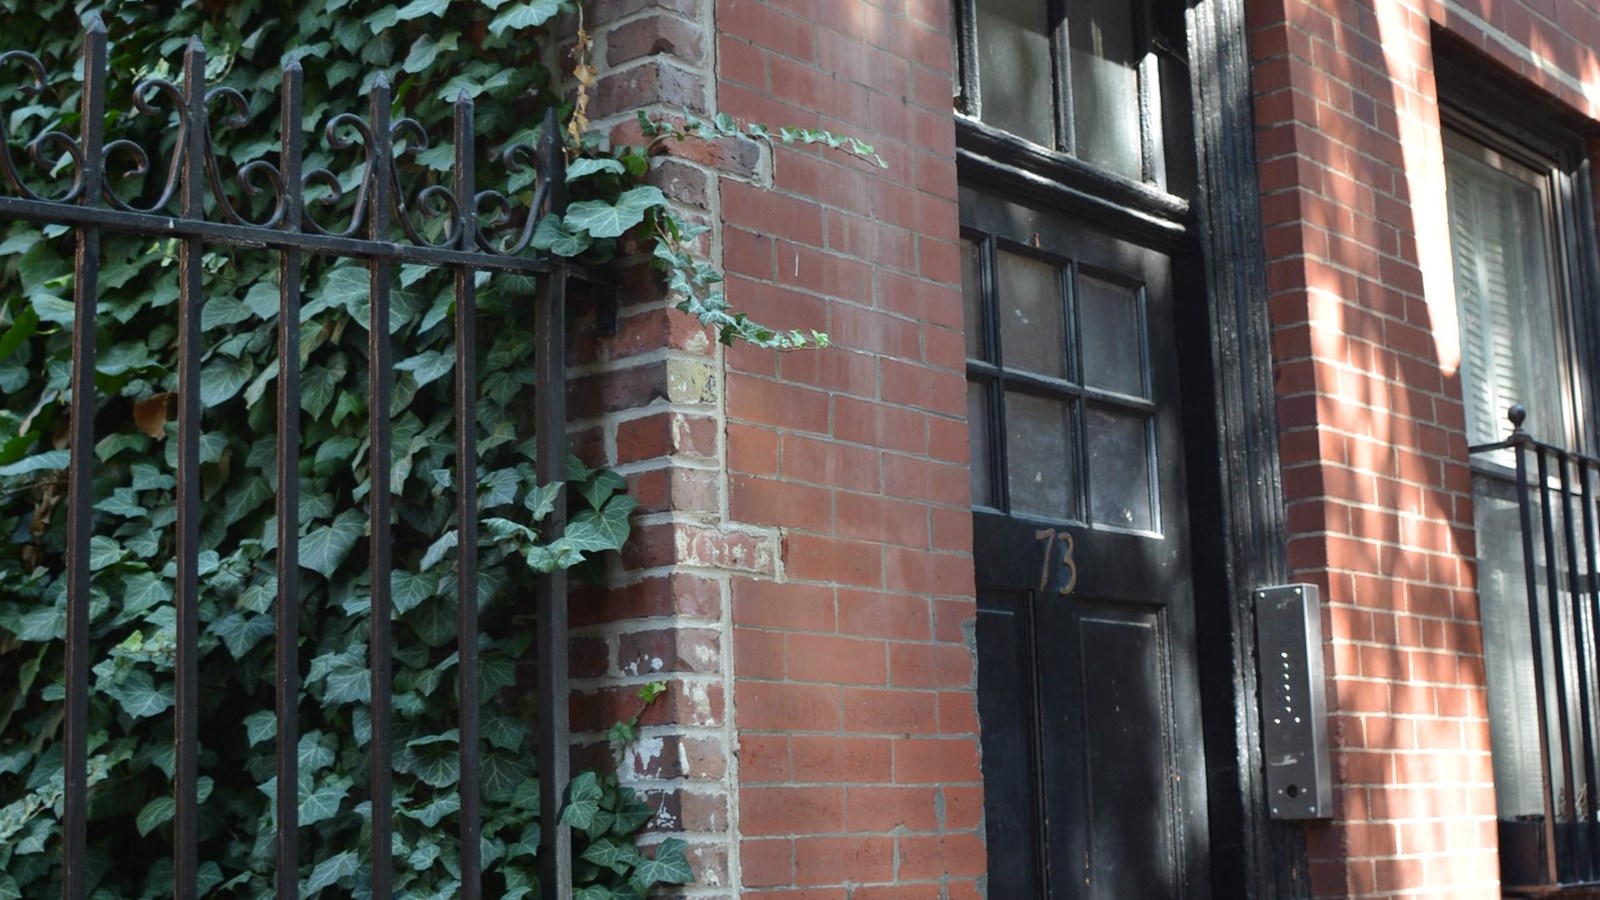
column 431, row 50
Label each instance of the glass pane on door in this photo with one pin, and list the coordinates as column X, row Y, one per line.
column 1032, row 315
column 1112, row 326
column 1039, row 457
column 1119, row 470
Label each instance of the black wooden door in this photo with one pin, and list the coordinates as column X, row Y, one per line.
column 1092, row 758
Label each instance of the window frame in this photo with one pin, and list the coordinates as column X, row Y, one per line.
column 1153, row 84
column 1478, row 139
column 997, row 378
column 1483, row 105
column 1479, row 99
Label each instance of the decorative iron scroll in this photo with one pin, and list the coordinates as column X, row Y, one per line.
column 89, row 171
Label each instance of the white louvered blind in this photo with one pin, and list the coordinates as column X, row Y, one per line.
column 1511, row 347
column 1512, row 351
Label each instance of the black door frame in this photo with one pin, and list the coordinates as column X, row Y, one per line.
column 1230, row 423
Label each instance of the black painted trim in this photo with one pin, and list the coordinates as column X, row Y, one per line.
column 1254, row 857
column 988, row 155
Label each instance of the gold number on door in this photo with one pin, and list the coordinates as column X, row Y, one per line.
column 1069, row 565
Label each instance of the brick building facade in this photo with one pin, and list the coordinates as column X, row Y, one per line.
column 806, row 572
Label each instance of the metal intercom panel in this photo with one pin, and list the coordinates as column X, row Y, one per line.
column 1294, row 713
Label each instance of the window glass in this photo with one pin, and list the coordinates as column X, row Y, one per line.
column 1112, row 326
column 1513, row 350
column 972, row 295
column 1032, row 315
column 1105, row 85
column 1506, row 296
column 1015, row 79
column 978, row 443
column 1039, row 456
column 1119, row 470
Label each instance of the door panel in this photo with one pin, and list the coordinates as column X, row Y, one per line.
column 1093, row 766
column 1127, row 752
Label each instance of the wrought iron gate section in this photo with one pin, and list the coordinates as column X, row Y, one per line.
column 483, row 231
column 1557, row 492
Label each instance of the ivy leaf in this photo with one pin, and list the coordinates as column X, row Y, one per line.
column 541, row 501
column 46, row 624
column 104, row 552
column 262, row 299
column 498, row 488
column 553, row 235
column 505, row 529
column 632, row 815
column 122, row 502
column 332, row 870
column 434, row 622
column 323, row 803
column 583, row 801
column 324, row 549
column 222, row 378
column 347, row 286
column 618, row 856
column 49, row 461
column 156, row 813
column 244, row 500
column 437, row 759
column 593, row 892
column 524, row 15
column 9, row 889
column 138, row 695
column 602, row 219
column 260, row 726
column 436, row 809
column 53, row 309
column 313, row 754
column 241, row 633
column 604, row 483
column 348, row 682
column 222, row 311
column 505, row 732
column 667, row 867
column 436, row 551
column 504, row 775
column 416, row 9
column 586, row 166
column 411, row 588
column 426, row 49
column 597, row 531
column 429, row 366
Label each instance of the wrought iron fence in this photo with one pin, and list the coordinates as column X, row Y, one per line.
column 483, row 231
column 1546, row 564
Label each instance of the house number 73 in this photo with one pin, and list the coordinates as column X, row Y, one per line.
column 1069, row 566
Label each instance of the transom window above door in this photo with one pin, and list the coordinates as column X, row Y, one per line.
column 1081, row 77
column 1058, row 397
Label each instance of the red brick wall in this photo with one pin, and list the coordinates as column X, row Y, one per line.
column 858, row 750
column 1374, row 450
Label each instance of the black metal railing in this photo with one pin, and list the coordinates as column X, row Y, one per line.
column 484, row 231
column 1555, row 494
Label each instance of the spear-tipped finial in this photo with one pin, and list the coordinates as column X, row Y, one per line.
column 94, row 23
column 292, row 63
column 381, row 81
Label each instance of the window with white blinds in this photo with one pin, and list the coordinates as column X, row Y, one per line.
column 1512, row 341
column 1513, row 350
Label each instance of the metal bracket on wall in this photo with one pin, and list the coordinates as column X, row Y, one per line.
column 1294, row 713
